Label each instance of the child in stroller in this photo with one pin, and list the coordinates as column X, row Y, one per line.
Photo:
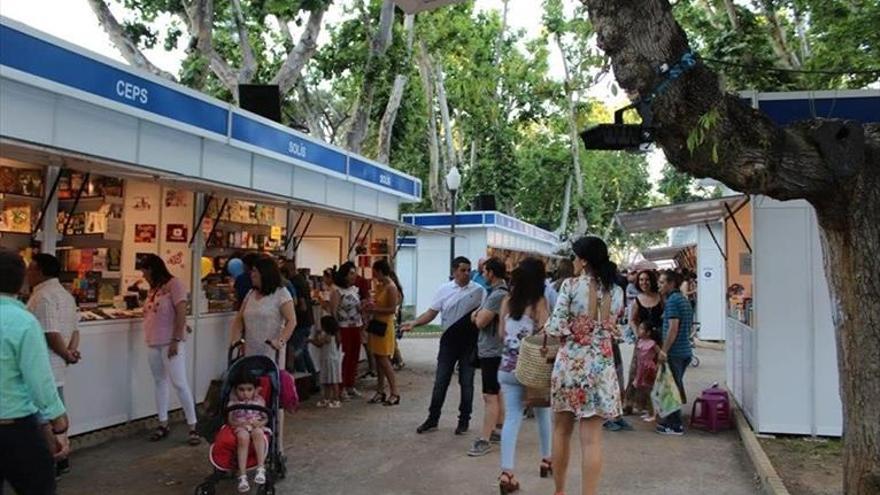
column 250, row 394
column 248, row 425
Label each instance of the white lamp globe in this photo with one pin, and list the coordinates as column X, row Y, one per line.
column 453, row 179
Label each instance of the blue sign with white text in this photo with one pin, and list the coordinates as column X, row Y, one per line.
column 43, row 59
column 267, row 137
column 373, row 174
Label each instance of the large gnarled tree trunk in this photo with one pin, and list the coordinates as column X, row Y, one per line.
column 833, row 164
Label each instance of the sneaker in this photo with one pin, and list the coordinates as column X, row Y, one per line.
column 260, row 477
column 353, row 392
column 624, row 424
column 462, row 427
column 428, row 425
column 334, row 404
column 670, row 430
column 243, row 485
column 611, row 425
column 495, row 437
column 322, row 403
column 344, row 396
column 480, row 448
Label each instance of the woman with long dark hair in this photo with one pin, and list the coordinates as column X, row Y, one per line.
column 647, row 307
column 584, row 387
column 165, row 333
column 345, row 306
column 266, row 316
column 523, row 312
column 382, row 346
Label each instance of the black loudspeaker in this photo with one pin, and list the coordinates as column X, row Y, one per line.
column 484, row 202
column 261, row 99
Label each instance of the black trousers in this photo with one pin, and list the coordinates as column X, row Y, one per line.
column 456, row 345
column 25, row 460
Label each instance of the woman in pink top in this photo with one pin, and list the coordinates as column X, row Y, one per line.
column 165, row 333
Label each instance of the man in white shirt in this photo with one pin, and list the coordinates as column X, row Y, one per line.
column 454, row 302
column 55, row 308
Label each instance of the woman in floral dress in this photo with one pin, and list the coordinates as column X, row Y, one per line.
column 584, row 386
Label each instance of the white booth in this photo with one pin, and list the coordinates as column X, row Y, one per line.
column 780, row 339
column 423, row 260
column 705, row 257
column 101, row 162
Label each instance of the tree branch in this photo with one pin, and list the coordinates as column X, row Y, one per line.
column 201, row 24
column 127, row 47
column 297, row 58
column 248, row 60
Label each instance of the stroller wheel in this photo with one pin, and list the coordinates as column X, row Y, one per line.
column 205, row 489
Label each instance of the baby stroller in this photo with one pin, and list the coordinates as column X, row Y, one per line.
column 222, row 453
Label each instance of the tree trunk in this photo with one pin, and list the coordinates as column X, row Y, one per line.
column 427, row 75
column 302, row 52
column 447, row 123
column 833, row 164
column 354, row 140
column 574, row 143
column 386, row 125
column 566, row 208
column 388, row 118
column 731, row 14
column 248, row 60
column 126, row 46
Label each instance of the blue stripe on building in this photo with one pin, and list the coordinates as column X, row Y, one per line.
column 40, row 58
column 269, row 138
column 373, row 174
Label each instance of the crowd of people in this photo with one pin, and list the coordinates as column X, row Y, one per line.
column 485, row 316
column 591, row 308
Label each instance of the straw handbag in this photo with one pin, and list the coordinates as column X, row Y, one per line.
column 537, row 355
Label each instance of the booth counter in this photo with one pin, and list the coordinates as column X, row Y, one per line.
column 101, row 163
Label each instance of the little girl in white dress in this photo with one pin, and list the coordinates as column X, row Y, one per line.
column 329, row 362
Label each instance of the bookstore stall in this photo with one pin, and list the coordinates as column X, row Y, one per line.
column 781, row 353
column 101, row 163
column 423, row 262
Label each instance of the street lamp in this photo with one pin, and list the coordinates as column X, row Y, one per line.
column 453, row 181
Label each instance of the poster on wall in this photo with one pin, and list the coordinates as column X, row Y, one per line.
column 175, row 198
column 145, row 232
column 175, row 232
column 174, row 259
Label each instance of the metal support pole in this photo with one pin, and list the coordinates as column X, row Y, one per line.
column 720, row 250
column 736, row 224
column 452, row 229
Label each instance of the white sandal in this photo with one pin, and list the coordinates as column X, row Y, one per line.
column 260, row 477
column 243, row 485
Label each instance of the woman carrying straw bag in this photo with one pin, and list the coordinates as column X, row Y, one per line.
column 523, row 312
column 584, row 386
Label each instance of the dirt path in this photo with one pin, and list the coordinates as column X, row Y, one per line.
column 365, row 449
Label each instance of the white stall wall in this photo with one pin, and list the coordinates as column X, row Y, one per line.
column 711, row 300
column 796, row 357
column 405, row 264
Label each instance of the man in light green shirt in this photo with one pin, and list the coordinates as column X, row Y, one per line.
column 27, row 393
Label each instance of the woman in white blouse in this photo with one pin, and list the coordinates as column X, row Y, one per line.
column 266, row 317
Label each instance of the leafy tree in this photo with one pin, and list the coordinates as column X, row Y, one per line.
column 833, row 164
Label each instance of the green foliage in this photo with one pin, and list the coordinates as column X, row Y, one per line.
column 837, row 36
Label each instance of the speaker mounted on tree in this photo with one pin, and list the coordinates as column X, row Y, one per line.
column 484, row 202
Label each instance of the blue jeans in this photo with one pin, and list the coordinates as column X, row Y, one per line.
column 453, row 349
column 514, row 393
column 677, row 366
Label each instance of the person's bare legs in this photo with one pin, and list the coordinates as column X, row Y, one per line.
column 563, row 425
column 491, row 415
column 591, row 454
column 259, row 440
column 383, row 365
column 243, row 443
column 380, row 375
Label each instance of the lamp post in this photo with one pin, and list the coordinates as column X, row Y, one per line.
column 453, row 181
